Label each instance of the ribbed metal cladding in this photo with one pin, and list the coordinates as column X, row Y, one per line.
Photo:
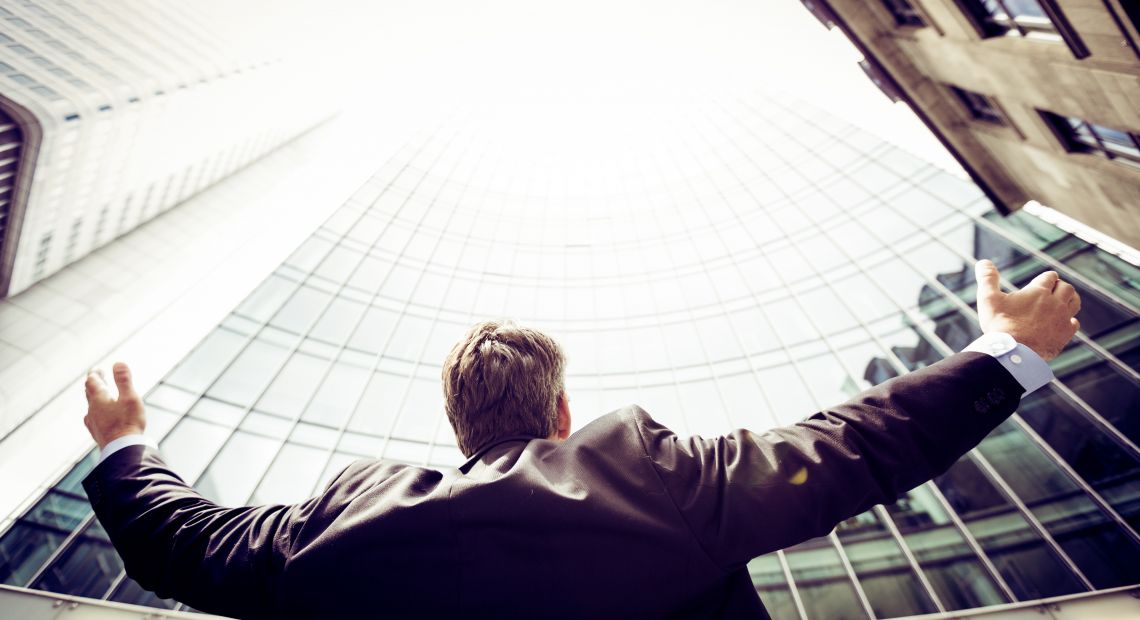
column 11, row 146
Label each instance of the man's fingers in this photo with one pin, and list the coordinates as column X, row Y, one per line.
column 989, row 283
column 123, row 380
column 94, row 384
column 1068, row 293
column 1046, row 280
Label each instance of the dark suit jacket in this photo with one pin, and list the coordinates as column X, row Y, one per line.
column 622, row 520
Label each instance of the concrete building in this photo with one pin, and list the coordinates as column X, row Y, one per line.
column 1038, row 99
column 741, row 264
column 112, row 112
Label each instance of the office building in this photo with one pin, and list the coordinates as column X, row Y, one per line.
column 112, row 112
column 734, row 265
column 1038, row 99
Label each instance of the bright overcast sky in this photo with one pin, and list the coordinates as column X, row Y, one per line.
column 413, row 54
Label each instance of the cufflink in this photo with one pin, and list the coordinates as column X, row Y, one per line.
column 1001, row 343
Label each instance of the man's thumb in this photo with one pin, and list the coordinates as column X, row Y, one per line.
column 989, row 285
column 123, row 380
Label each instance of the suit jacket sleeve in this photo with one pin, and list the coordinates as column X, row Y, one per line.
column 745, row 494
column 180, row 545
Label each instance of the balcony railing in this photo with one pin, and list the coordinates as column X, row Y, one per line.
column 28, row 604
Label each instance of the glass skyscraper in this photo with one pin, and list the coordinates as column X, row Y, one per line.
column 733, row 265
column 112, row 112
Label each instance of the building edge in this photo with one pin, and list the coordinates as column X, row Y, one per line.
column 895, row 90
column 31, row 137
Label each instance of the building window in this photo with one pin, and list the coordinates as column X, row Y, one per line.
column 1042, row 18
column 1000, row 17
column 1079, row 135
column 1132, row 9
column 904, row 13
column 42, row 256
column 979, row 106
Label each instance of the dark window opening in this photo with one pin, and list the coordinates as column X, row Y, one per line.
column 1132, row 9
column 979, row 106
column 904, row 13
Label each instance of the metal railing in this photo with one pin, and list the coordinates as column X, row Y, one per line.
column 1115, row 604
column 24, row 604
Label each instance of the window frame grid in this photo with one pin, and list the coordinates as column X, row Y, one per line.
column 1022, row 24
column 1081, row 406
column 1055, row 24
column 1097, row 499
column 832, row 351
column 1067, row 134
column 1034, row 437
column 69, row 541
column 794, row 364
column 900, row 368
column 287, row 439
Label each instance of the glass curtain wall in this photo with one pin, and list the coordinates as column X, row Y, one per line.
column 736, row 265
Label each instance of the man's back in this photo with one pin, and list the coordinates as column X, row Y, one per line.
column 584, row 525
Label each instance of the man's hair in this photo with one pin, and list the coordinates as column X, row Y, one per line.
column 500, row 380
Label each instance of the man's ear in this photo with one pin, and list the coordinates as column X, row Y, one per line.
column 563, row 430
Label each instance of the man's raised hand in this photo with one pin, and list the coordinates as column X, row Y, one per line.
column 108, row 417
column 1039, row 316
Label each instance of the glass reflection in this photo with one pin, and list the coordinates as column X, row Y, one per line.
column 1111, row 469
column 772, row 587
column 1016, row 549
column 954, row 571
column 1104, row 553
column 232, row 475
column 823, row 584
column 87, row 567
column 884, row 574
column 38, row 534
column 1106, row 388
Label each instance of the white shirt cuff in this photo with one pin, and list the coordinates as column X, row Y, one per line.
column 115, row 445
column 1027, row 367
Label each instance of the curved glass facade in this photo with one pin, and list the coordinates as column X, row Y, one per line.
column 736, row 265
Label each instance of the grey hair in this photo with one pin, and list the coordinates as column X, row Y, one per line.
column 502, row 379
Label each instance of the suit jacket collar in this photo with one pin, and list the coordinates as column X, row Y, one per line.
column 483, row 451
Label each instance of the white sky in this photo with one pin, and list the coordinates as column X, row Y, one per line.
column 408, row 57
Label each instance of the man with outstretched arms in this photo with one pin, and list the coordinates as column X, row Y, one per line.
column 621, row 519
